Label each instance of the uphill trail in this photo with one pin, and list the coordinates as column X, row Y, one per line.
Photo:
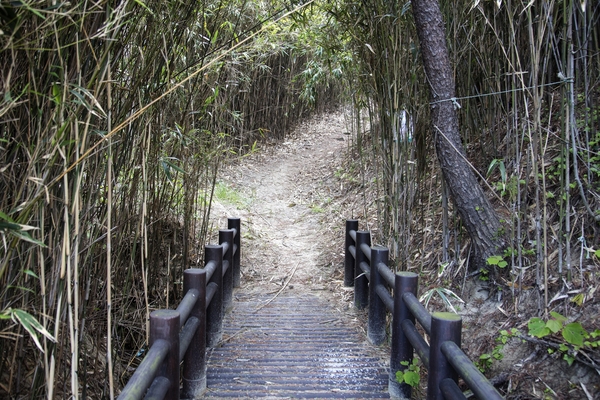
column 292, row 332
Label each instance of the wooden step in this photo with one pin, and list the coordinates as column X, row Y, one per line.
column 293, row 347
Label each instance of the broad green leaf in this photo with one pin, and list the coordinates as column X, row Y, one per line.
column 494, row 260
column 400, row 377
column 574, row 333
column 563, row 347
column 558, row 316
column 569, row 359
column 411, row 378
column 554, row 325
column 537, row 328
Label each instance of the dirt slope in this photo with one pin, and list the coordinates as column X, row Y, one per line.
column 284, row 190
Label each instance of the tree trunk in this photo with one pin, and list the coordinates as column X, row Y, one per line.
column 478, row 216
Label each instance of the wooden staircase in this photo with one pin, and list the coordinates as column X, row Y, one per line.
column 293, row 347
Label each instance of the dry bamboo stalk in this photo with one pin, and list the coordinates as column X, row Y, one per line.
column 109, row 361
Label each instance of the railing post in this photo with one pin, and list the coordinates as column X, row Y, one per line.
column 351, row 225
column 236, row 223
column 194, row 363
column 214, row 311
column 401, row 349
column 361, row 288
column 226, row 236
column 377, row 310
column 164, row 325
column 445, row 326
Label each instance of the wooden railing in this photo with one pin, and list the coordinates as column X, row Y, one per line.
column 197, row 323
column 366, row 268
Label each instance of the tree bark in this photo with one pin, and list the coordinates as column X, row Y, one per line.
column 478, row 216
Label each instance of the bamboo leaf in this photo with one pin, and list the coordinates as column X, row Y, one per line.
column 143, row 5
column 31, row 273
column 31, row 325
column 26, row 237
column 9, row 226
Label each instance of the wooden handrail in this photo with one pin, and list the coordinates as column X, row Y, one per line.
column 367, row 269
column 185, row 333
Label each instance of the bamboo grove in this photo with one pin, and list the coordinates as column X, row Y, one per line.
column 116, row 115
column 527, row 77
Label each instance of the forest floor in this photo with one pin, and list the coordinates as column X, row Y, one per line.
column 293, row 207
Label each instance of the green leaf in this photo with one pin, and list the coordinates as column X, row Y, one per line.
column 31, row 273
column 33, row 10
column 563, row 347
column 558, row 316
column 26, row 237
column 574, row 333
column 9, row 226
column 18, row 230
column 400, row 376
column 31, row 325
column 554, row 325
column 56, row 94
column 411, row 378
column 494, row 260
column 6, row 217
column 537, row 328
column 141, row 3
column 569, row 359
column 20, row 288
column 578, row 299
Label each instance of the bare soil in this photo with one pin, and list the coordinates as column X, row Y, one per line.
column 287, row 191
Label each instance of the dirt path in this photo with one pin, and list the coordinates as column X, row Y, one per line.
column 292, row 332
column 284, row 190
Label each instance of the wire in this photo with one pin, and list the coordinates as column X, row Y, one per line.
column 456, row 99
